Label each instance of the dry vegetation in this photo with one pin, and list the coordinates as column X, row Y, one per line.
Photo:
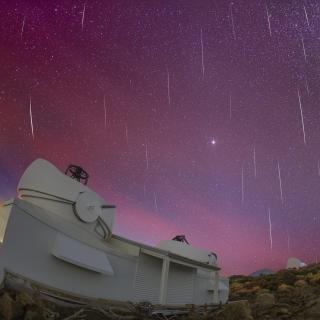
column 288, row 294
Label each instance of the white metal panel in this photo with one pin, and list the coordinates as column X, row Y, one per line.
column 148, row 278
column 82, row 255
column 205, row 286
column 204, row 294
column 223, row 290
column 188, row 251
column 29, row 254
column 43, row 176
column 180, row 284
column 34, row 187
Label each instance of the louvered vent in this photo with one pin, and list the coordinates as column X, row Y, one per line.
column 180, row 284
column 148, row 277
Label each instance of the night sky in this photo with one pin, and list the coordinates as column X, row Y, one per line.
column 137, row 92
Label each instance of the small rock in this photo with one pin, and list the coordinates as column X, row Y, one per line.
column 284, row 287
column 315, row 278
column 6, row 307
column 300, row 283
column 32, row 315
column 314, row 311
column 24, row 299
column 282, row 311
column 266, row 299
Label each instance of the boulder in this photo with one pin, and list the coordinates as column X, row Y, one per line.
column 284, row 288
column 282, row 311
column 313, row 312
column 236, row 310
column 265, row 299
column 314, row 278
column 6, row 307
column 24, row 299
column 300, row 283
column 33, row 315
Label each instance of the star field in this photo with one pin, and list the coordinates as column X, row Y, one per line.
column 186, row 116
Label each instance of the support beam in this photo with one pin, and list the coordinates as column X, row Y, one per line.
column 164, row 280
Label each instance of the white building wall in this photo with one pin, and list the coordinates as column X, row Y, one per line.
column 27, row 250
column 203, row 284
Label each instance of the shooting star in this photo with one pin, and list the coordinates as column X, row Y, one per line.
column 268, row 17
column 270, row 229
column 306, row 15
column 242, row 185
column 168, row 87
column 144, row 189
column 105, row 111
column 147, row 156
column 307, row 87
column 31, row 120
column 280, row 182
column 83, row 12
column 202, row 59
column 22, row 28
column 230, row 106
column 155, row 201
column 288, row 240
column 254, row 161
column 304, row 49
column 127, row 138
column 232, row 22
column 302, row 119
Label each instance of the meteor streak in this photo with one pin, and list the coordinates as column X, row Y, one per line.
column 288, row 240
column 105, row 111
column 270, row 229
column 230, row 106
column 304, row 49
column 155, row 201
column 83, row 12
column 242, row 185
column 254, row 161
column 268, row 17
column 202, row 59
column 31, row 121
column 232, row 22
column 302, row 119
column 168, row 87
column 127, row 137
column 22, row 28
column 280, row 182
column 147, row 156
column 306, row 15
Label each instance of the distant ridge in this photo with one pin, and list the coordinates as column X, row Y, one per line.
column 261, row 272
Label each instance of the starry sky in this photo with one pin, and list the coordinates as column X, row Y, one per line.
column 136, row 92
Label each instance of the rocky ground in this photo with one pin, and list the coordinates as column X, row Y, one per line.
column 288, row 294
